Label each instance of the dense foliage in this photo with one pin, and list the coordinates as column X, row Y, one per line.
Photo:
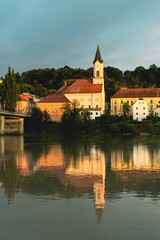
column 9, row 91
column 43, row 80
column 37, row 121
column 76, row 120
column 49, row 80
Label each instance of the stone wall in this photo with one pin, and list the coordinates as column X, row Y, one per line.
column 11, row 126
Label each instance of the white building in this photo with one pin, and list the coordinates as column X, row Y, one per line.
column 157, row 111
column 139, row 110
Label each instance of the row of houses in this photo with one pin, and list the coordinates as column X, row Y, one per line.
column 90, row 95
column 142, row 102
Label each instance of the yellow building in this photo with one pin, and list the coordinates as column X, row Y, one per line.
column 132, row 95
column 89, row 94
column 25, row 102
column 54, row 105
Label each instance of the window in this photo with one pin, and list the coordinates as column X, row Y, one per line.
column 151, row 101
column 122, row 101
column 96, row 113
column 97, row 73
column 96, row 106
column 136, row 108
column 144, row 108
column 144, row 114
column 115, row 102
column 115, row 108
column 127, row 101
column 91, row 113
column 89, row 106
column 136, row 113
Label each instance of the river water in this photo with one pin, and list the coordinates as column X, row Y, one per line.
column 79, row 189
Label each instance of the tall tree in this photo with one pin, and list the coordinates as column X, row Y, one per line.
column 9, row 95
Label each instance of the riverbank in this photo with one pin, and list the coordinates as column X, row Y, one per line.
column 97, row 128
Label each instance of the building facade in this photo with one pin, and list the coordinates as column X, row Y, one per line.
column 25, row 102
column 131, row 95
column 54, row 105
column 139, row 110
column 89, row 93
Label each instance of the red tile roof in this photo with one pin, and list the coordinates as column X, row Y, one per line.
column 82, row 86
column 23, row 97
column 61, row 90
column 137, row 93
column 54, row 98
column 27, row 97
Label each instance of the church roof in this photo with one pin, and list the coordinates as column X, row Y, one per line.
column 98, row 56
column 54, row 98
column 82, row 86
column 137, row 93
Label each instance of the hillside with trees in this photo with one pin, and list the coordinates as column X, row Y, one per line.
column 48, row 80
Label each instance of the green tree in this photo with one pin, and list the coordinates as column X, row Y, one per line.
column 40, row 90
column 46, row 116
column 9, row 95
column 126, row 109
column 72, row 121
column 36, row 121
column 25, row 88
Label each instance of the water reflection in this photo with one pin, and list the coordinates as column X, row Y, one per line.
column 100, row 170
column 140, row 163
column 66, row 170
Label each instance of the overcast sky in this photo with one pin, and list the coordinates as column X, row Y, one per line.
column 55, row 33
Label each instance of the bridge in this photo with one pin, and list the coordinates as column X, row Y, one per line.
column 12, row 122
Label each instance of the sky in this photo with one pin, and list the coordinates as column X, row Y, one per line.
column 55, row 33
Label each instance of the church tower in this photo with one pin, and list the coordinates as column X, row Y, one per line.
column 98, row 76
column 98, row 68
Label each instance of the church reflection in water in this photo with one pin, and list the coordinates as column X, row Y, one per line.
column 82, row 167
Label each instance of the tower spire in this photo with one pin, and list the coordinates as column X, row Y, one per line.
column 98, row 56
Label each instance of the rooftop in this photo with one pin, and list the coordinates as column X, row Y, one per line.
column 98, row 56
column 54, row 98
column 137, row 93
column 81, row 86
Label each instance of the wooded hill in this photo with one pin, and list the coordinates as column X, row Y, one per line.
column 48, row 80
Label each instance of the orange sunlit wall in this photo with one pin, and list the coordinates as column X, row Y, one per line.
column 24, row 107
column 55, row 110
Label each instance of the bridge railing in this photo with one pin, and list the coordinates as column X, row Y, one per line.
column 14, row 113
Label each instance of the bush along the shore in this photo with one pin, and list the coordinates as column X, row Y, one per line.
column 77, row 122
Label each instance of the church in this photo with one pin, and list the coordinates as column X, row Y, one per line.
column 90, row 94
